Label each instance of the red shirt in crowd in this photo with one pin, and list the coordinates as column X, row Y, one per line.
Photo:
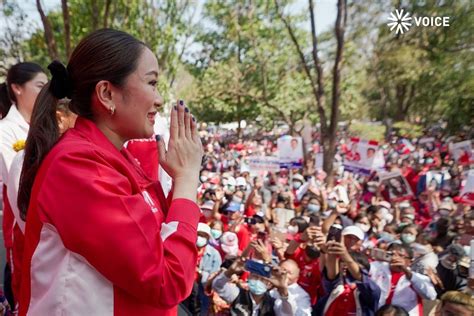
column 310, row 275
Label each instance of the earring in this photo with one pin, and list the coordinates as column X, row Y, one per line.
column 112, row 110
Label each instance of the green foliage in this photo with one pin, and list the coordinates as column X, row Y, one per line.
column 368, row 131
column 407, row 129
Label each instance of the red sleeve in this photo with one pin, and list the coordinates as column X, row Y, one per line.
column 114, row 229
column 244, row 238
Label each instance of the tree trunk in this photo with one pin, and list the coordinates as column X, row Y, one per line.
column 106, row 13
column 328, row 132
column 330, row 148
column 48, row 32
column 67, row 28
column 95, row 15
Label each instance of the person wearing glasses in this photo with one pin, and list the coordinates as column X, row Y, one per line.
column 399, row 284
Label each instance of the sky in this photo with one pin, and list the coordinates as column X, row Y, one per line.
column 325, row 11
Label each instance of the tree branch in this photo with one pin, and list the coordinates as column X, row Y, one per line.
column 48, row 32
column 67, row 27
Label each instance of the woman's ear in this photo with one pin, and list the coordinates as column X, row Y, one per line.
column 103, row 94
column 16, row 89
column 61, row 119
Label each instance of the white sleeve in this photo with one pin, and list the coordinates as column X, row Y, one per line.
column 283, row 306
column 423, row 286
column 13, row 184
column 6, row 154
column 226, row 290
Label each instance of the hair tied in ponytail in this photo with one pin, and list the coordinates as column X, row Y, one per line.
column 60, row 85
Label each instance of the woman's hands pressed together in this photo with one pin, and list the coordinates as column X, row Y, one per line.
column 182, row 160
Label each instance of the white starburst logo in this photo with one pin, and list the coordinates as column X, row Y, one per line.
column 400, row 21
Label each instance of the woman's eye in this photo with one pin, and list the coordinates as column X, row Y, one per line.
column 153, row 83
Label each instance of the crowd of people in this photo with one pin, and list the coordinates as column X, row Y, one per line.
column 83, row 211
column 349, row 249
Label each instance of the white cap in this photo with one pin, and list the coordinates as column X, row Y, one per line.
column 298, row 177
column 353, row 230
column 208, row 205
column 404, row 204
column 241, row 181
column 230, row 243
column 230, row 181
column 204, row 228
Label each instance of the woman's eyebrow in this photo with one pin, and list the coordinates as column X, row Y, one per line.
column 152, row 72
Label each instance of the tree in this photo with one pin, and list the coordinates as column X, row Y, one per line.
column 317, row 80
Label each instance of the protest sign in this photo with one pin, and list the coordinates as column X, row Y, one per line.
column 290, row 152
column 428, row 143
column 436, row 178
column 467, row 192
column 396, row 186
column 263, row 163
column 363, row 157
column 462, row 152
column 283, row 216
column 318, row 161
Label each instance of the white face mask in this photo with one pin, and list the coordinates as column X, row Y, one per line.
column 332, row 204
column 201, row 241
column 365, row 227
column 444, row 213
column 293, row 229
column 296, row 185
column 207, row 213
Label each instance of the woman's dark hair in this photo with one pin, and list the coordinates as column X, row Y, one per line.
column 105, row 54
column 392, row 310
column 360, row 216
column 300, row 222
column 397, row 246
column 17, row 74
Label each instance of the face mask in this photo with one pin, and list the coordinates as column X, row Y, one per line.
column 444, row 213
column 312, row 252
column 407, row 238
column 365, row 227
column 203, row 179
column 296, row 185
column 312, row 208
column 293, row 230
column 332, row 204
column 257, row 287
column 237, row 200
column 201, row 241
column 207, row 213
column 386, row 236
column 388, row 217
column 215, row 233
column 326, row 214
column 445, row 262
column 371, row 189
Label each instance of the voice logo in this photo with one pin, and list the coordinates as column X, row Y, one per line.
column 401, row 21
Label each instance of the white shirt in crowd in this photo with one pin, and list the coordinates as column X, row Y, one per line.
column 408, row 294
column 12, row 129
column 13, row 185
column 301, row 298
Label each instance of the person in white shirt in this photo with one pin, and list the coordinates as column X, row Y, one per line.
column 257, row 300
column 17, row 98
column 298, row 294
column 399, row 284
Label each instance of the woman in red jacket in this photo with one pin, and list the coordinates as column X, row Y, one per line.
column 101, row 239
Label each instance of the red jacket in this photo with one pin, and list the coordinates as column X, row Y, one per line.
column 101, row 238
